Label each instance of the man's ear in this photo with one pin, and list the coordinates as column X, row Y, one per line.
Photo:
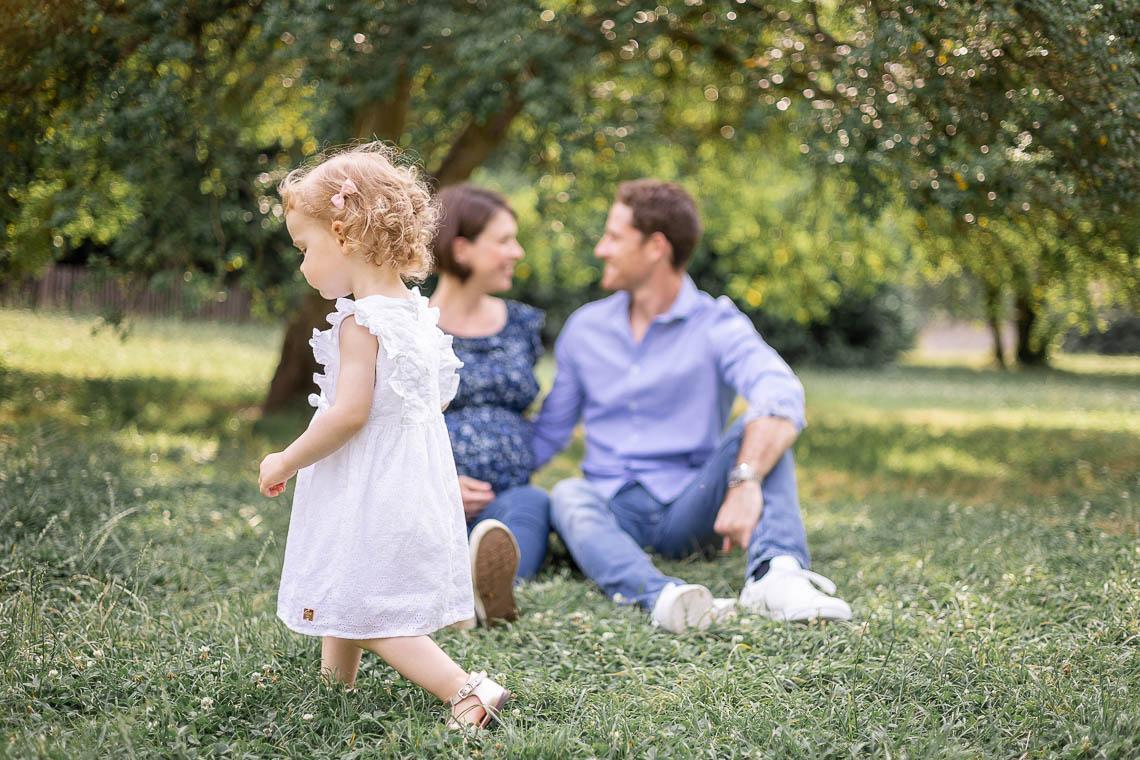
column 661, row 247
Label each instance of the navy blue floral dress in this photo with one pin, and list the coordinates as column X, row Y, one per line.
column 489, row 435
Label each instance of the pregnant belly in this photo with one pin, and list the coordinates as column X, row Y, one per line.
column 492, row 444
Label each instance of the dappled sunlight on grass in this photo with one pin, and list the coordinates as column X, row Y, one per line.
column 1033, row 422
column 239, row 357
column 940, row 458
column 1079, row 363
column 970, row 392
column 1105, row 365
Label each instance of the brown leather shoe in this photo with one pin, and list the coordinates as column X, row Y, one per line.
column 494, row 562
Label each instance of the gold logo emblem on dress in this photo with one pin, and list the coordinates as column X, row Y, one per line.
column 308, row 615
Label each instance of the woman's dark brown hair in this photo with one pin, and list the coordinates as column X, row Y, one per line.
column 465, row 212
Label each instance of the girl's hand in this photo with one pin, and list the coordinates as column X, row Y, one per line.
column 275, row 472
column 476, row 494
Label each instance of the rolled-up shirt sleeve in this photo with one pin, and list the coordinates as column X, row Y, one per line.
column 754, row 369
column 562, row 407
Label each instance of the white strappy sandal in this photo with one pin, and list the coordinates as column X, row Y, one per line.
column 491, row 698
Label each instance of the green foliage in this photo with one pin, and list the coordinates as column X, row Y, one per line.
column 962, row 513
column 147, row 136
column 154, row 133
column 858, row 331
column 1120, row 336
column 1009, row 125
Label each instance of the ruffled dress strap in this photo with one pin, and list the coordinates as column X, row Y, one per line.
column 327, row 352
column 449, row 366
column 449, row 363
column 408, row 332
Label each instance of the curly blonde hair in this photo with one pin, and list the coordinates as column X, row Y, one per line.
column 390, row 218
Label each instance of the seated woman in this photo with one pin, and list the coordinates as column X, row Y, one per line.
column 499, row 342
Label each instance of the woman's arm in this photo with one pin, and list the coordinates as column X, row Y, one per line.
column 356, row 380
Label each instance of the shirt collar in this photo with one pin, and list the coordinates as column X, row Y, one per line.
column 686, row 300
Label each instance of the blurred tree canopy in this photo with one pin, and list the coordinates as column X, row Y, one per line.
column 835, row 147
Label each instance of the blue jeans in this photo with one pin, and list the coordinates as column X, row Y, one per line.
column 526, row 511
column 606, row 538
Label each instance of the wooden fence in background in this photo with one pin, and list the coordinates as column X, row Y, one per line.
column 78, row 290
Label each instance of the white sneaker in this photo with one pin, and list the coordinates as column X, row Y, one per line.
column 723, row 609
column 786, row 593
column 680, row 607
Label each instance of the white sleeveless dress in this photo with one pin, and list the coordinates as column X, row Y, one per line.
column 377, row 541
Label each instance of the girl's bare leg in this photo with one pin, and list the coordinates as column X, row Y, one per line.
column 421, row 661
column 340, row 659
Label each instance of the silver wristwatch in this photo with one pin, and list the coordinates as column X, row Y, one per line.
column 742, row 473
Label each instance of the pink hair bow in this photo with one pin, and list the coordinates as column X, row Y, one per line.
column 348, row 187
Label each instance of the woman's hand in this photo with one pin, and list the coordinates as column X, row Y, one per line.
column 476, row 494
column 275, row 472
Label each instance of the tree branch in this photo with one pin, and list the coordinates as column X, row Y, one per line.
column 477, row 141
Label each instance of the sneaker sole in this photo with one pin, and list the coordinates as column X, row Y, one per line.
column 697, row 606
column 494, row 562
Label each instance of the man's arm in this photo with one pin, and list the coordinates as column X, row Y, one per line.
column 765, row 441
column 562, row 407
column 772, row 423
column 756, row 372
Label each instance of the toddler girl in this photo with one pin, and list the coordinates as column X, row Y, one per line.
column 376, row 557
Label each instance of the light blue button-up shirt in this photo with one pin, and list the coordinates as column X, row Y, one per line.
column 654, row 410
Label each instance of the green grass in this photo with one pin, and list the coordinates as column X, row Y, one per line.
column 983, row 526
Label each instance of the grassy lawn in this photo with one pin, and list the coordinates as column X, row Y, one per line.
column 983, row 526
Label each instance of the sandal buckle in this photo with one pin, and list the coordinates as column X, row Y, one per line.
column 466, row 689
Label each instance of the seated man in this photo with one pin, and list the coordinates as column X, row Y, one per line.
column 653, row 370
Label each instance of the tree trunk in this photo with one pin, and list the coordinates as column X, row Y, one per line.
column 999, row 350
column 1026, row 316
column 385, row 119
column 993, row 318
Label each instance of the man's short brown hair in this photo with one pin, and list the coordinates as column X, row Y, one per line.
column 664, row 207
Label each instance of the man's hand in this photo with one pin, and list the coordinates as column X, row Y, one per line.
column 476, row 494
column 739, row 515
column 275, row 472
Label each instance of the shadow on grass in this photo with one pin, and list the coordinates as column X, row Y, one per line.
column 147, row 404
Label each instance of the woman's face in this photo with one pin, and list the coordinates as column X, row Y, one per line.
column 491, row 257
